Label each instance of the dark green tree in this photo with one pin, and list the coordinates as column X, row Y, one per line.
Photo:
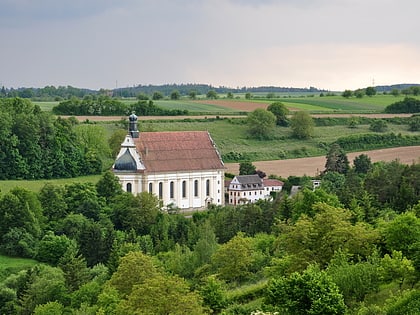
column 281, row 112
column 312, row 292
column 347, row 93
column 261, row 124
column 247, row 168
column 211, row 94
column 337, row 160
column 362, row 164
column 175, row 95
column 302, row 125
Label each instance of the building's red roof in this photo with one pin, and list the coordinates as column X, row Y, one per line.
column 178, row 151
column 272, row 182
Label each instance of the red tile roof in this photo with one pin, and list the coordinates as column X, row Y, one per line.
column 272, row 182
column 178, row 151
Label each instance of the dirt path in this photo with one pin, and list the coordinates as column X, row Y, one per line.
column 314, row 165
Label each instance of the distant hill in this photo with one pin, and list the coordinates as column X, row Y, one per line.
column 202, row 89
column 389, row 88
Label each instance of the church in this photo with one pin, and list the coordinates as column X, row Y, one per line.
column 182, row 168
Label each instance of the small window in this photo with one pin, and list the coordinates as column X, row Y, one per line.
column 208, row 187
column 184, row 189
column 160, row 190
column 196, row 188
column 171, row 190
column 129, row 187
column 151, row 188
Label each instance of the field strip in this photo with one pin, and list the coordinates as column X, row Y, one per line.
column 118, row 118
column 314, row 165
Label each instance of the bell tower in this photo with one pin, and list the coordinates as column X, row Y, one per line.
column 132, row 126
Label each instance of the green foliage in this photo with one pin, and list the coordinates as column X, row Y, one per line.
column 281, row 112
column 337, row 160
column 247, row 168
column 407, row 304
column 261, row 124
column 312, row 292
column 49, row 308
column 378, row 125
column 302, row 125
column 408, row 105
column 362, row 164
column 52, row 247
column 414, row 123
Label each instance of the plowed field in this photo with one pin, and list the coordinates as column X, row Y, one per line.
column 314, row 165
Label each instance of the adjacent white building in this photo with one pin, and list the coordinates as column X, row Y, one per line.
column 250, row 188
column 183, row 168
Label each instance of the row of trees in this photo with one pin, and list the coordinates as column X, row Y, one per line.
column 262, row 122
column 35, row 144
column 105, row 105
column 320, row 251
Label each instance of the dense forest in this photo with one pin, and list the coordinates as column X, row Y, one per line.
column 36, row 144
column 351, row 246
column 107, row 106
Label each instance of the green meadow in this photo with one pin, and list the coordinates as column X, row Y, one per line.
column 36, row 185
column 10, row 265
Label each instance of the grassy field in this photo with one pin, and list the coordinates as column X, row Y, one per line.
column 314, row 104
column 36, row 185
column 230, row 135
column 9, row 265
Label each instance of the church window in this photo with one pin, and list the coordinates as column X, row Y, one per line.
column 196, row 188
column 208, row 187
column 184, row 189
column 160, row 190
column 129, row 187
column 150, row 187
column 171, row 190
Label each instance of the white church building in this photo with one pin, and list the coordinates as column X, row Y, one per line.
column 182, row 168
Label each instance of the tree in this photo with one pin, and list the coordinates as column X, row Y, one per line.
column 192, row 94
column 175, row 95
column 281, row 112
column 248, row 96
column 108, row 186
column 370, row 91
column 246, row 168
column 162, row 294
column 135, row 212
column 401, row 233
column 261, row 124
column 362, row 164
column 313, row 293
column 211, row 94
column 234, row 259
column 337, row 160
column 347, row 93
column 229, row 95
column 157, row 96
column 378, row 125
column 302, row 125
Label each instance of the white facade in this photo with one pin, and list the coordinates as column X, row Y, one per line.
column 250, row 188
column 183, row 169
column 183, row 190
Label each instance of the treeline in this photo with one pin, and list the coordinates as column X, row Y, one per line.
column 35, row 144
column 48, row 93
column 342, row 248
column 59, row 93
column 107, row 106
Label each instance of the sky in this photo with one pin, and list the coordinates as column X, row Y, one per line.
column 328, row 44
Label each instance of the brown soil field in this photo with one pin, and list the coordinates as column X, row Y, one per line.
column 235, row 105
column 314, row 165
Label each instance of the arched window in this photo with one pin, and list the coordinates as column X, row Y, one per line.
column 129, row 187
column 171, row 190
column 196, row 188
column 150, row 187
column 208, row 187
column 160, row 190
column 184, row 189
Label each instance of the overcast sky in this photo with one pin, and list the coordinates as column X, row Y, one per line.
column 328, row 44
